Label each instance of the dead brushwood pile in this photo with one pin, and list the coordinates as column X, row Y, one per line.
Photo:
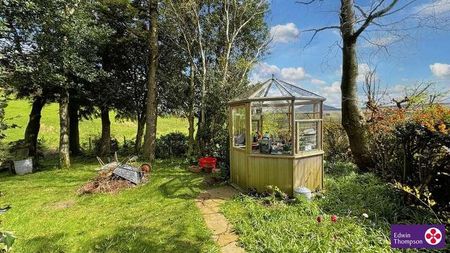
column 108, row 182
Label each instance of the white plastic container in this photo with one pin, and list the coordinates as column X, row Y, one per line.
column 303, row 191
column 23, row 167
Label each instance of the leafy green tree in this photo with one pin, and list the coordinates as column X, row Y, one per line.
column 237, row 36
column 221, row 40
column 19, row 22
column 55, row 50
column 125, row 59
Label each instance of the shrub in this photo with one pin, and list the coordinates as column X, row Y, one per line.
column 335, row 141
column 339, row 168
column 18, row 150
column 114, row 145
column 413, row 149
column 218, row 148
column 127, row 147
column 171, row 145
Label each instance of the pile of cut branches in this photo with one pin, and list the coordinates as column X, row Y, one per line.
column 108, row 182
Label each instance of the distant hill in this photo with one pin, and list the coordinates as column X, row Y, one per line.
column 330, row 108
column 307, row 108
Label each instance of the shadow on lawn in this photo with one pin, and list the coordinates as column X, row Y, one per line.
column 141, row 239
column 127, row 239
column 45, row 244
column 182, row 186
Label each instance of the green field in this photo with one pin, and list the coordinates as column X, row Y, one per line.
column 18, row 110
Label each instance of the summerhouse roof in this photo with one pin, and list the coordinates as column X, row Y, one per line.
column 275, row 89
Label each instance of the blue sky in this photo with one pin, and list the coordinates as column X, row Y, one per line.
column 413, row 53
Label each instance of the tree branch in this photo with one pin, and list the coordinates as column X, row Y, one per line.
column 307, row 2
column 374, row 15
column 363, row 13
column 317, row 30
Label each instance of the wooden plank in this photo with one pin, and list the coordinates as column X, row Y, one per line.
column 308, row 120
column 264, row 171
column 299, row 155
column 308, row 172
column 292, row 128
column 248, row 128
column 230, row 141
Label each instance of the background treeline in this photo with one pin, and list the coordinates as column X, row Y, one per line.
column 187, row 58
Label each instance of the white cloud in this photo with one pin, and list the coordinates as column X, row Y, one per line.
column 395, row 92
column 284, row 33
column 440, row 70
column 264, row 71
column 434, row 8
column 334, row 88
column 332, row 93
column 318, row 81
column 293, row 74
column 363, row 70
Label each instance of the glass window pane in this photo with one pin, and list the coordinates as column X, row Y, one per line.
column 271, row 127
column 307, row 135
column 239, row 126
column 307, row 111
column 274, row 91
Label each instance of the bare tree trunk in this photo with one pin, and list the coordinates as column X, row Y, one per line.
column 191, row 139
column 64, row 124
column 202, row 118
column 139, row 134
column 226, row 63
column 352, row 118
column 151, row 110
column 74, row 133
column 34, row 124
column 191, row 116
column 105, row 142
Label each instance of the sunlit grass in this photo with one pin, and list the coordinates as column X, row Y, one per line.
column 294, row 227
column 18, row 112
column 48, row 216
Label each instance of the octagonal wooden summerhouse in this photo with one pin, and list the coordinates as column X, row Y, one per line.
column 276, row 138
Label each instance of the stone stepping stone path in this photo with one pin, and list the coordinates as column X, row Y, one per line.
column 223, row 234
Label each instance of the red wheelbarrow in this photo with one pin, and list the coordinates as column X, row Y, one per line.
column 208, row 164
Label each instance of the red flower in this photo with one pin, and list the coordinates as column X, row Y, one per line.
column 333, row 218
column 319, row 219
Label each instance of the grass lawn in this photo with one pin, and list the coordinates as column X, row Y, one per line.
column 18, row 112
column 48, row 216
column 281, row 227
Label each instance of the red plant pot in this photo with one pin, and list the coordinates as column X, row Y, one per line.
column 207, row 163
